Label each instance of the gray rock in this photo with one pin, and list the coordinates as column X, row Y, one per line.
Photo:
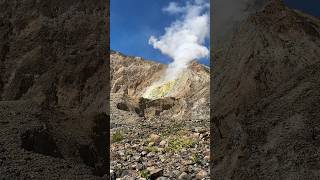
column 121, row 153
column 201, row 174
column 163, row 178
column 162, row 143
column 150, row 154
column 139, row 166
column 155, row 173
column 184, row 176
column 143, row 153
column 200, row 130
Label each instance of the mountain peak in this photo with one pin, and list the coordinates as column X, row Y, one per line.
column 276, row 3
column 274, row 7
column 140, row 75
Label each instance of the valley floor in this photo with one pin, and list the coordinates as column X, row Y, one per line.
column 159, row 147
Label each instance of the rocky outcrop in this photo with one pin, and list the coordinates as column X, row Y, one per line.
column 31, row 149
column 264, row 98
column 132, row 77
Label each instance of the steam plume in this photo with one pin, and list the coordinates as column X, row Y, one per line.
column 183, row 39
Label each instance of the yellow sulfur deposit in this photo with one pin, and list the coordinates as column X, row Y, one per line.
column 161, row 90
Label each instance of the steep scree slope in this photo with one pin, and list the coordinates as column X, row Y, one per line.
column 265, row 98
column 53, row 89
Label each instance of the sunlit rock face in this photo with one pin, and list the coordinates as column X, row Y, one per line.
column 177, row 87
column 160, row 90
column 136, row 78
column 140, row 78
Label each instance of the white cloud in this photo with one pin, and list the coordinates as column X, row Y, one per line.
column 173, row 8
column 184, row 39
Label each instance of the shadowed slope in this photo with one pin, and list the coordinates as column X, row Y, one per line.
column 264, row 94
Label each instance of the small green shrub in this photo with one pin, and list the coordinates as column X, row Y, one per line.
column 178, row 143
column 144, row 174
column 152, row 149
column 117, row 136
column 196, row 159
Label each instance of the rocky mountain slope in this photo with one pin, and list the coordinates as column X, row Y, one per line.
column 135, row 77
column 53, row 90
column 265, row 98
column 158, row 131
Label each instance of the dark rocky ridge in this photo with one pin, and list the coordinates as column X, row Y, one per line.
column 54, row 89
column 265, row 98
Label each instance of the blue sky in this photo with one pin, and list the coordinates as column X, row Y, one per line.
column 308, row 6
column 132, row 22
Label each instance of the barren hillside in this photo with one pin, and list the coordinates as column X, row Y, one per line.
column 158, row 130
column 265, row 98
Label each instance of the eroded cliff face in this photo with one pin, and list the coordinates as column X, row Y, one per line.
column 174, row 111
column 137, row 78
column 53, row 87
column 265, row 96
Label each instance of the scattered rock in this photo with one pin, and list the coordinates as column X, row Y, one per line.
column 121, row 153
column 139, row 166
column 151, row 144
column 200, row 130
column 202, row 174
column 150, row 154
column 163, row 143
column 155, row 138
column 195, row 135
column 163, row 178
column 207, row 158
column 187, row 162
column 136, row 157
column 155, row 173
column 143, row 153
column 184, row 176
column 39, row 140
